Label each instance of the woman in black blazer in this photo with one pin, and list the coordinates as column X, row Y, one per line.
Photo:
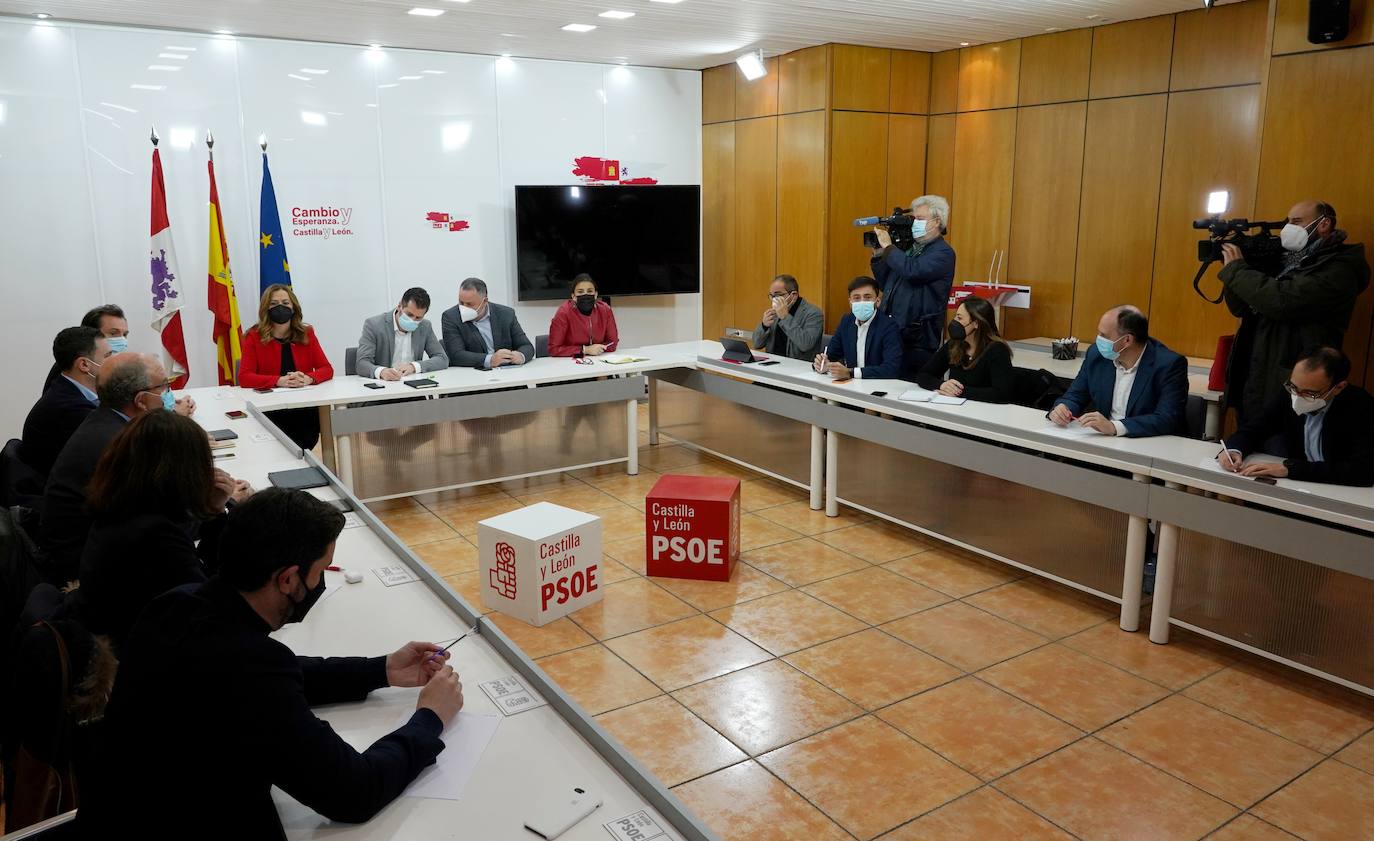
column 155, row 492
column 976, row 357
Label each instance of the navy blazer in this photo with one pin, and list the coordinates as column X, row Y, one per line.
column 1158, row 395
column 1347, row 447
column 882, row 352
column 916, row 289
column 51, row 422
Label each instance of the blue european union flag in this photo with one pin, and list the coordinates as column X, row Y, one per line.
column 273, row 266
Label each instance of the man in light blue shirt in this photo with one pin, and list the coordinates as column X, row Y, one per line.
column 69, row 398
column 480, row 334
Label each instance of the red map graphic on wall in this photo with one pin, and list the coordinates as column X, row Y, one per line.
column 594, row 170
column 441, row 221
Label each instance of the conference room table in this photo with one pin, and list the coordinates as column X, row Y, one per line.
column 544, row 751
column 1283, row 570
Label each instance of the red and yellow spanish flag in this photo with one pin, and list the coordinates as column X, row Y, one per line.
column 223, row 304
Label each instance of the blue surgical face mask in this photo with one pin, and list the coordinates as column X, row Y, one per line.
column 863, row 310
column 168, row 401
column 1107, row 348
column 118, row 344
column 918, row 228
column 407, row 324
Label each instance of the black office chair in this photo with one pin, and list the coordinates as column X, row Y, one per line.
column 351, row 361
column 541, row 345
column 1037, row 389
column 1195, row 417
column 19, row 483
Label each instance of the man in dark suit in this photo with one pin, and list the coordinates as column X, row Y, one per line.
column 1325, row 424
column 480, row 334
column 395, row 344
column 129, row 384
column 79, row 352
column 868, row 343
column 209, row 712
column 109, row 320
column 1136, row 385
column 916, row 282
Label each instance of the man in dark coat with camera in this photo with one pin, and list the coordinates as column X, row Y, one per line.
column 915, row 283
column 1307, row 302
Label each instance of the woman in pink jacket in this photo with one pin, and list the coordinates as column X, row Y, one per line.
column 583, row 326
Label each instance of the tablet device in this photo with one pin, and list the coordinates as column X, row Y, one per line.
column 425, row 382
column 736, row 350
column 299, row 479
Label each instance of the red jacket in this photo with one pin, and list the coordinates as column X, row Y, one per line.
column 571, row 330
column 260, row 366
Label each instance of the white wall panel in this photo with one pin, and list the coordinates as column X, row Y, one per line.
column 48, row 268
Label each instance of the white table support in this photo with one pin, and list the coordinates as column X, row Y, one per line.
column 343, row 448
column 1137, row 531
column 1166, row 561
column 632, row 437
column 818, row 450
column 832, row 471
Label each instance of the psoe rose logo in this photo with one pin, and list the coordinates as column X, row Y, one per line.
column 503, row 574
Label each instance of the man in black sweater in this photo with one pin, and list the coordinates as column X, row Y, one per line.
column 209, row 712
column 1325, row 424
column 79, row 353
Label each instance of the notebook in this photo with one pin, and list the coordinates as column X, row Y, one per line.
column 921, row 395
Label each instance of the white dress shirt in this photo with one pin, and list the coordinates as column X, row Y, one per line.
column 402, row 353
column 1121, row 393
column 863, row 343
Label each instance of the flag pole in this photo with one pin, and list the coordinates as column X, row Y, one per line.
column 210, row 144
column 152, row 135
column 262, row 142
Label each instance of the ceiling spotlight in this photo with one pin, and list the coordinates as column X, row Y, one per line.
column 963, row 43
column 421, row 11
column 615, row 15
column 224, row 32
column 578, row 27
column 42, row 15
column 752, row 66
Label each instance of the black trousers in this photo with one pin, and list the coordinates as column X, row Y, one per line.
column 302, row 426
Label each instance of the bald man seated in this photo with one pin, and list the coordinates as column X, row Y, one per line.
column 1130, row 384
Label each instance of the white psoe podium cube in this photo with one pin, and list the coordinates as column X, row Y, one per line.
column 541, row 562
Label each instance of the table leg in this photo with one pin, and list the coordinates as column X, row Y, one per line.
column 632, row 434
column 1137, row 530
column 327, row 443
column 832, row 473
column 653, row 412
column 345, row 459
column 1211, row 427
column 1165, row 562
column 817, row 467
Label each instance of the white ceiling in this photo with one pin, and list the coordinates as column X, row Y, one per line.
column 690, row 34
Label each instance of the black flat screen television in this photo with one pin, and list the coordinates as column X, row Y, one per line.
column 632, row 240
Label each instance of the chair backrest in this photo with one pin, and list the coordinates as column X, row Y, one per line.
column 1037, row 389
column 825, row 340
column 19, row 483
column 1195, row 417
column 541, row 345
column 350, row 361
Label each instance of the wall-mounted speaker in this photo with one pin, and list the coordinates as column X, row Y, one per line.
column 1328, row 21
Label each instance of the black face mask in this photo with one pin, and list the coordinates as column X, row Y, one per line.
column 302, row 607
column 585, row 304
column 280, row 314
column 957, row 331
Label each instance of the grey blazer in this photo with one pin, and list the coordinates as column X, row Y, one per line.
column 465, row 346
column 802, row 327
column 377, row 346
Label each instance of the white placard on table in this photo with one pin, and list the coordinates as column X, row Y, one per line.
column 636, row 826
column 511, row 696
column 395, row 574
column 352, row 520
column 261, row 437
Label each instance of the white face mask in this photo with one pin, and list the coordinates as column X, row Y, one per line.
column 1308, row 405
column 1295, row 237
column 468, row 313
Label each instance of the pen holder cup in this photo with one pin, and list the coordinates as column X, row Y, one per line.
column 1061, row 349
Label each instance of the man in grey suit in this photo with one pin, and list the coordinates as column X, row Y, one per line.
column 480, row 334
column 790, row 326
column 395, row 344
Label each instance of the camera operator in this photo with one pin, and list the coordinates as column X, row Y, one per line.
column 1308, row 302
column 916, row 282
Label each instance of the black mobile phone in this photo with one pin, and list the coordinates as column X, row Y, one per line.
column 769, row 362
column 482, row 368
column 263, row 390
column 236, row 415
column 221, row 454
column 1266, row 480
column 373, row 385
column 880, row 394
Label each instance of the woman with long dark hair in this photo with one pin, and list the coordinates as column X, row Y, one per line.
column 282, row 351
column 976, row 358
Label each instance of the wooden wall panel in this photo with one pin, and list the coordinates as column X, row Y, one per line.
column 1132, row 57
column 756, row 218
column 988, row 75
column 861, row 77
column 718, row 93
column 1219, row 46
column 1046, row 183
column 858, row 187
column 1212, row 144
column 1342, row 173
column 940, row 157
column 1290, row 27
column 1054, row 68
column 717, row 228
column 906, row 159
column 803, row 79
column 980, row 219
column 801, row 202
column 944, row 82
column 758, row 98
column 910, row 91
column 1119, row 206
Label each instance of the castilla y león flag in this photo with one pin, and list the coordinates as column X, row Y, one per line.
column 166, row 287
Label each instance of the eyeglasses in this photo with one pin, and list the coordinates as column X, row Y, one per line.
column 1305, row 393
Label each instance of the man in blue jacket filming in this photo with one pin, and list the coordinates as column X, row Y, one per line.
column 916, row 282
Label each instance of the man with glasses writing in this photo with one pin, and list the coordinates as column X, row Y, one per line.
column 1324, row 423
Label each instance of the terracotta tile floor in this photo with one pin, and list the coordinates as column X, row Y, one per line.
column 857, row 680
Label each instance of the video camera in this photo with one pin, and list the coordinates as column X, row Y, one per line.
column 898, row 225
column 1261, row 249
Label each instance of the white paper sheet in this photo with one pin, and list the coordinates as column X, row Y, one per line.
column 921, row 395
column 1073, row 430
column 466, row 737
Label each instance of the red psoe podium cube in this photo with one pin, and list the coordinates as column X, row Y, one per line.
column 691, row 527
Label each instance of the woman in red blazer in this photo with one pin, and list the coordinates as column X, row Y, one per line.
column 583, row 326
column 266, row 364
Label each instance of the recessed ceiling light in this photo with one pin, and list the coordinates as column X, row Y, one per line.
column 167, row 68
column 752, row 66
column 1093, row 17
column 42, row 15
column 410, row 78
column 141, row 87
column 375, row 47
column 224, row 32
column 313, row 118
column 511, row 35
column 963, row 43
column 180, row 49
column 314, row 71
column 616, row 15
column 389, row 85
column 421, row 11
column 1051, row 29
column 578, row 27
column 434, row 72
column 298, row 77
column 174, row 56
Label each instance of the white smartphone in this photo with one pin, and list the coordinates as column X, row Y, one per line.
column 555, row 814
